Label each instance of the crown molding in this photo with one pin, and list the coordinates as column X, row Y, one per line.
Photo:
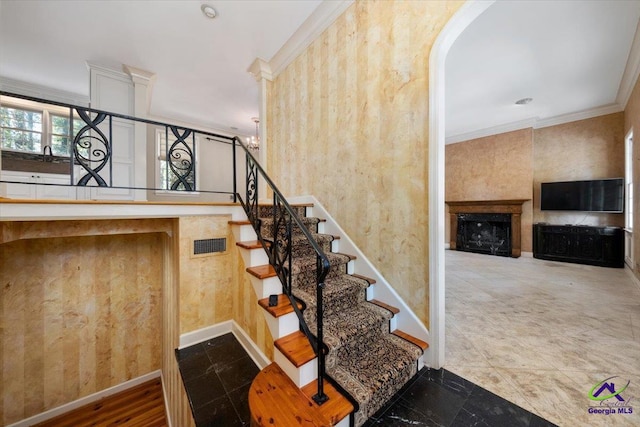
column 139, row 75
column 260, row 69
column 37, row 91
column 536, row 123
column 631, row 71
column 324, row 15
column 493, row 130
column 580, row 115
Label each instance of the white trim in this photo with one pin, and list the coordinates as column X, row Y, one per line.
column 51, row 413
column 579, row 115
column 635, row 279
column 536, row 123
column 113, row 210
column 19, row 87
column 324, row 15
column 494, row 130
column 213, row 331
column 447, row 246
column 260, row 69
column 250, row 347
column 435, row 192
column 631, row 71
column 526, row 254
column 194, row 337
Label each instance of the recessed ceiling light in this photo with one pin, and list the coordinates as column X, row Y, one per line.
column 208, row 11
column 524, row 101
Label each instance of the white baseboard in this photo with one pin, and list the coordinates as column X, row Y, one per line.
column 200, row 335
column 447, row 246
column 526, row 254
column 52, row 413
column 250, row 347
column 213, row 331
column 635, row 279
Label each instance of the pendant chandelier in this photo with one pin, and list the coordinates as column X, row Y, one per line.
column 253, row 143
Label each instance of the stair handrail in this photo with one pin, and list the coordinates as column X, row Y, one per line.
column 91, row 138
column 282, row 265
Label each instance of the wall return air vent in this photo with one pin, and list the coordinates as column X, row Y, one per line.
column 209, row 246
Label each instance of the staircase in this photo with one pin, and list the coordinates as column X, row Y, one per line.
column 367, row 358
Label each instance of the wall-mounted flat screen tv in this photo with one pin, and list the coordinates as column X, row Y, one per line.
column 600, row 195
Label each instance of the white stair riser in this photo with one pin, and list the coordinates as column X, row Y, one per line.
column 243, row 233
column 343, row 422
column 283, row 325
column 300, row 376
column 393, row 322
column 266, row 287
column 254, row 257
column 421, row 362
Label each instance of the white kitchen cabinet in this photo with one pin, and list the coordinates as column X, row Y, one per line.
column 35, row 185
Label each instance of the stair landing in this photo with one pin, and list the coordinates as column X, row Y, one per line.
column 274, row 400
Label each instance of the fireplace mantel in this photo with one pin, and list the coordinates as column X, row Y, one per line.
column 513, row 207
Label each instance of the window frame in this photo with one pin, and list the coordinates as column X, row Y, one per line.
column 47, row 111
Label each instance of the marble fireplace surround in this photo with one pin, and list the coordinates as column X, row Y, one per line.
column 513, row 207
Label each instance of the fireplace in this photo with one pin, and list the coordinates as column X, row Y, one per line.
column 486, row 226
column 484, row 233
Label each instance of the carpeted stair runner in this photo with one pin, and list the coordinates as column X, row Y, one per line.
column 366, row 360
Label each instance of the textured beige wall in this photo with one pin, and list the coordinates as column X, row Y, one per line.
column 585, row 149
column 78, row 315
column 92, row 304
column 348, row 123
column 216, row 288
column 206, row 282
column 497, row 167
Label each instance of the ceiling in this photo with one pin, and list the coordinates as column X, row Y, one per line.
column 200, row 63
column 569, row 56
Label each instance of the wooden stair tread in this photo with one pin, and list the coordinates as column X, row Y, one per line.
column 423, row 345
column 391, row 308
column 336, row 408
column 262, row 271
column 274, row 400
column 368, row 279
column 240, row 222
column 296, row 347
column 251, row 244
column 284, row 306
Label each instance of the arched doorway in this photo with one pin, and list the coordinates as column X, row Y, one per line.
column 456, row 25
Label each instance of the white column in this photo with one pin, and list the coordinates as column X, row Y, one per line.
column 142, row 87
column 261, row 70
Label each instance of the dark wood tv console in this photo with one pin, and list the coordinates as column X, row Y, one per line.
column 581, row 244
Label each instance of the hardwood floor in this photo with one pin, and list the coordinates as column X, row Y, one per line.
column 139, row 406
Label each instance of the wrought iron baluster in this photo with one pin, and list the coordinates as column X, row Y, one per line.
column 84, row 151
column 181, row 160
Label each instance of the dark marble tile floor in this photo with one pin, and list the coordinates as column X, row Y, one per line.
column 217, row 375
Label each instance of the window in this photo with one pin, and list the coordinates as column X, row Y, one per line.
column 21, row 129
column 30, row 127
column 184, row 156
